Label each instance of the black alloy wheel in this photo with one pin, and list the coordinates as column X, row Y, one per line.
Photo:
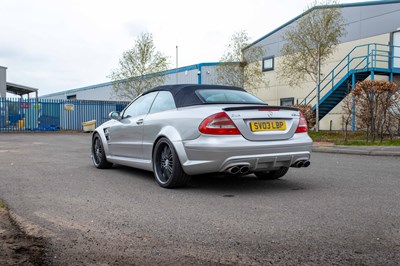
column 167, row 168
column 98, row 155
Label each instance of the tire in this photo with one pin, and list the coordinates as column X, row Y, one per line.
column 272, row 175
column 167, row 168
column 98, row 155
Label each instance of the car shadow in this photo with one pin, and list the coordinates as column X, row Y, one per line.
column 248, row 183
column 134, row 172
column 227, row 184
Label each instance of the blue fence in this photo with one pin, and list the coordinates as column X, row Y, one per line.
column 51, row 115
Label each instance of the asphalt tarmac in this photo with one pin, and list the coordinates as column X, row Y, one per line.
column 343, row 209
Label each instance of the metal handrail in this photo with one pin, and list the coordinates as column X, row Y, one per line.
column 324, row 87
column 334, row 68
column 371, row 58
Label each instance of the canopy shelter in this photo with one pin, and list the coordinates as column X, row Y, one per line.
column 21, row 90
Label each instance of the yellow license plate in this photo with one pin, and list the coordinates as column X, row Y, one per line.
column 269, row 125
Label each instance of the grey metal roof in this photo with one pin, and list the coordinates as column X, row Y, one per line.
column 20, row 89
column 167, row 72
column 367, row 3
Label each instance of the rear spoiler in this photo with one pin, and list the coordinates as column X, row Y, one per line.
column 266, row 107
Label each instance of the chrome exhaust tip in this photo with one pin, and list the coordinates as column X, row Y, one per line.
column 300, row 164
column 297, row 164
column 234, row 170
column 244, row 169
column 238, row 170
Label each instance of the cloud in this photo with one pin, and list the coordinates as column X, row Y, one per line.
column 60, row 45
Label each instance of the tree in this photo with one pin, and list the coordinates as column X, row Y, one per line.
column 308, row 44
column 241, row 69
column 138, row 68
column 375, row 101
column 308, row 113
column 347, row 115
column 395, row 115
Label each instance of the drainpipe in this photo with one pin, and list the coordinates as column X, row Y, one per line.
column 353, row 105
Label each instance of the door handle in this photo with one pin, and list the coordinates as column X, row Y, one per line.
column 139, row 122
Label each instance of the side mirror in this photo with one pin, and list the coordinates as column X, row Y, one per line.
column 115, row 115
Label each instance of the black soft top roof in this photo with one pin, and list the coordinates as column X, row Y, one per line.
column 184, row 94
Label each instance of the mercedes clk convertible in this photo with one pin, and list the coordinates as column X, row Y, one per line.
column 177, row 131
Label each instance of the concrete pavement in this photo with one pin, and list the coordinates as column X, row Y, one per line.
column 328, row 147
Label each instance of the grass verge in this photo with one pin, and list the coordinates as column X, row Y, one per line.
column 353, row 139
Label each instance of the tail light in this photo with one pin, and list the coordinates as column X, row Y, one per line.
column 218, row 124
column 302, row 127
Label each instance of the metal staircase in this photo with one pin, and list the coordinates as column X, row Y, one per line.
column 361, row 62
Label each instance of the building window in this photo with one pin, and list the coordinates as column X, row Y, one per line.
column 71, row 97
column 287, row 101
column 268, row 64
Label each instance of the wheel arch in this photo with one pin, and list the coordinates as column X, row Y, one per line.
column 100, row 132
column 175, row 138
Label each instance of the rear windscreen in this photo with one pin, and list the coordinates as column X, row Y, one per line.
column 227, row 96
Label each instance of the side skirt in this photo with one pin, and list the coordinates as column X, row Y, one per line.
column 136, row 163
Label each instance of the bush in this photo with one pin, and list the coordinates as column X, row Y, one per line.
column 376, row 102
column 308, row 113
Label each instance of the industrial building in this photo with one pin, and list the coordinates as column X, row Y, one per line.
column 204, row 73
column 16, row 89
column 12, row 118
column 370, row 49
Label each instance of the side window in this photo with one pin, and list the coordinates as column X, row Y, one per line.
column 164, row 101
column 140, row 106
column 268, row 64
column 287, row 101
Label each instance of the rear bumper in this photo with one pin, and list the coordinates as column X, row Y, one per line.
column 209, row 154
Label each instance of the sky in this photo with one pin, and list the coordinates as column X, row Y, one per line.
column 61, row 45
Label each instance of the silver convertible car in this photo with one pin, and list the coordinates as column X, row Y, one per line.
column 181, row 130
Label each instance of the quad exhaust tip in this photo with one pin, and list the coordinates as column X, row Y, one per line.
column 238, row 170
column 300, row 164
column 245, row 169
